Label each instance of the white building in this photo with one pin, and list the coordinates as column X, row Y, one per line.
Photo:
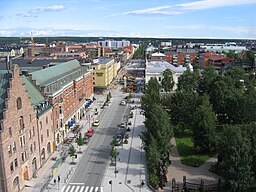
column 157, row 68
column 223, row 47
column 114, row 44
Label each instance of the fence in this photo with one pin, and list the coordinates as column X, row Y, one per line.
column 201, row 187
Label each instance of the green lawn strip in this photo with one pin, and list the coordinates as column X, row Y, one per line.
column 188, row 155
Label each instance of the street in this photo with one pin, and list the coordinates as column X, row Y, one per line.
column 90, row 170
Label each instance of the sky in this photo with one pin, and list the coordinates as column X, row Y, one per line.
column 129, row 18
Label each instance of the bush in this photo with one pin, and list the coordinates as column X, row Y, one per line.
column 128, row 129
column 125, row 141
column 126, row 136
column 129, row 123
column 154, row 181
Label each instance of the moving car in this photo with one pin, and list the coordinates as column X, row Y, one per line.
column 96, row 123
column 90, row 132
column 123, row 103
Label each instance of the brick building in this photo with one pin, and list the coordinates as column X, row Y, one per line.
column 19, row 132
column 67, row 87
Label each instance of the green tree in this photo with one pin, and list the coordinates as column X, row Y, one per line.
column 188, row 81
column 204, row 134
column 72, row 152
column 235, row 159
column 80, row 141
column 167, row 82
column 182, row 106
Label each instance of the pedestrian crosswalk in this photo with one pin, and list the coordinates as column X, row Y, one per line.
column 81, row 188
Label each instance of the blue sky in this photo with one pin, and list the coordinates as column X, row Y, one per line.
column 137, row 18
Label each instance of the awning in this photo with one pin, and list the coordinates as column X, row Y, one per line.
column 70, row 124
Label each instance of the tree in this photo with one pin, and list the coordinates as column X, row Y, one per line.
column 251, row 134
column 182, row 106
column 204, row 134
column 113, row 154
column 72, row 152
column 80, row 141
column 234, row 159
column 167, row 82
column 188, row 81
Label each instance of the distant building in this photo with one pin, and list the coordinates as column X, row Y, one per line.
column 104, row 71
column 12, row 51
column 155, row 69
column 223, row 47
column 114, row 44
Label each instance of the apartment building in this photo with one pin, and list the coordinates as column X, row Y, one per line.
column 104, row 71
column 67, row 86
column 22, row 153
column 114, row 44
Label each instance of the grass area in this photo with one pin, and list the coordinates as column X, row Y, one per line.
column 188, row 155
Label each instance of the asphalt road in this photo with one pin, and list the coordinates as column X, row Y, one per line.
column 91, row 168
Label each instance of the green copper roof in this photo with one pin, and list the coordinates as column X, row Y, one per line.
column 35, row 95
column 54, row 72
column 4, row 84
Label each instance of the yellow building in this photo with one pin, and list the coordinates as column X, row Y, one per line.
column 104, row 71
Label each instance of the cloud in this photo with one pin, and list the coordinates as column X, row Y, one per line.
column 186, row 7
column 163, row 10
column 54, row 8
column 37, row 11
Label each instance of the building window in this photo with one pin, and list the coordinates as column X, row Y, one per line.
column 11, row 167
column 31, row 148
column 34, row 145
column 21, row 122
column 46, row 120
column 16, row 162
column 47, row 132
column 22, row 157
column 60, row 109
column 30, row 118
column 19, row 103
column 10, row 131
column 24, row 141
column 21, row 143
column 41, row 125
column 159, row 78
column 14, row 147
column 42, row 138
column 30, row 134
column 10, row 150
column 33, row 131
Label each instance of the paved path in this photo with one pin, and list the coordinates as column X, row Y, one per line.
column 193, row 174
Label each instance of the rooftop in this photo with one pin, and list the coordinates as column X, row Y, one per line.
column 4, row 85
column 161, row 66
column 46, row 75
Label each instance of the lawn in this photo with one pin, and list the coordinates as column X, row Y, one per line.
column 188, row 155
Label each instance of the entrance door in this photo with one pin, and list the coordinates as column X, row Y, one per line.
column 25, row 173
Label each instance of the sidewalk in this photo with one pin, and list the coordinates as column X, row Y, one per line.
column 131, row 162
column 44, row 178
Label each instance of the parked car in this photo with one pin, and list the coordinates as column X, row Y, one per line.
column 122, row 125
column 90, row 132
column 96, row 123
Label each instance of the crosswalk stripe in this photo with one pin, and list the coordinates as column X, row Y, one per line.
column 101, row 189
column 91, row 189
column 68, row 188
column 82, row 189
column 77, row 188
column 73, row 187
column 96, row 189
column 86, row 189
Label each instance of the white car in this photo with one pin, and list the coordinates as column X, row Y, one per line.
column 123, row 103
